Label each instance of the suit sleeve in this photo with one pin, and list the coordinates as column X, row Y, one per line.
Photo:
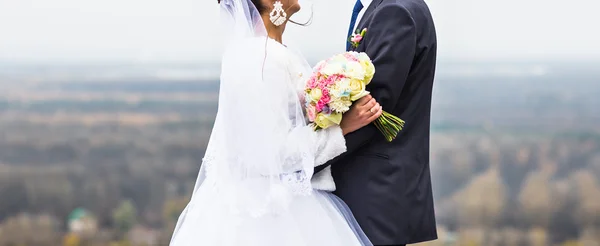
column 390, row 41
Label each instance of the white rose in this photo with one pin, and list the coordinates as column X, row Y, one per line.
column 355, row 70
column 332, row 68
column 340, row 104
column 363, row 57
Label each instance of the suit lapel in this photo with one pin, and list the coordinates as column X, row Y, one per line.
column 367, row 15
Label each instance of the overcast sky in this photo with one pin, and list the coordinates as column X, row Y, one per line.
column 187, row 30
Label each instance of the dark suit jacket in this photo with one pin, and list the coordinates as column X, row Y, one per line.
column 388, row 185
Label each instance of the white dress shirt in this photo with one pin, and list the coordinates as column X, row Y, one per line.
column 365, row 4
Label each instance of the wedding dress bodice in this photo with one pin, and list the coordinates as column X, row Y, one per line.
column 260, row 131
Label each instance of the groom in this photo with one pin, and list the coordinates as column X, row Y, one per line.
column 387, row 185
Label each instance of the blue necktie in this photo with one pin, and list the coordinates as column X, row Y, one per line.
column 357, row 8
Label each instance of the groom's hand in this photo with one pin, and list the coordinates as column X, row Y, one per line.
column 363, row 112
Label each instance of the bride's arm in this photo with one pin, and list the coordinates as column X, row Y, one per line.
column 331, row 143
column 326, row 143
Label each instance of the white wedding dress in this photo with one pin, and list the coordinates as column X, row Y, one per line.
column 254, row 187
column 243, row 196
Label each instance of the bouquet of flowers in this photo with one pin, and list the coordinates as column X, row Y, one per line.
column 335, row 84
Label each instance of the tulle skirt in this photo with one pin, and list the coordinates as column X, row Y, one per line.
column 320, row 219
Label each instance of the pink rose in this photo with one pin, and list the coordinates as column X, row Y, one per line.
column 323, row 101
column 320, row 65
column 320, row 106
column 329, row 80
column 323, row 82
column 311, row 112
column 325, row 97
column 337, row 78
column 356, row 38
column 333, row 79
column 350, row 57
column 311, row 83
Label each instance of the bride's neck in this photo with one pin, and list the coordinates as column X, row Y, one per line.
column 274, row 32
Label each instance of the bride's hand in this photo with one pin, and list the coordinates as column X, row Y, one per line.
column 363, row 112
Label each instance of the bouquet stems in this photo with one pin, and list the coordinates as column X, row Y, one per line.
column 389, row 125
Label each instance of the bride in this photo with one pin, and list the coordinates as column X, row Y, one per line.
column 256, row 184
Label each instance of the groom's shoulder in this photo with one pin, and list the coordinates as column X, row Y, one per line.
column 409, row 6
column 393, row 9
column 416, row 10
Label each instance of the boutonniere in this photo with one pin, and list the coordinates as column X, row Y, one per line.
column 357, row 37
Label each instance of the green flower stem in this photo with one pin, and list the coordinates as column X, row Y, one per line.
column 389, row 125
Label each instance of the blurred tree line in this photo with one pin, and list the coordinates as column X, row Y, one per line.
column 518, row 189
column 491, row 188
column 124, row 176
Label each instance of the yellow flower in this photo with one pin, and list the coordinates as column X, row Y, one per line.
column 369, row 71
column 316, row 94
column 357, row 89
column 325, row 121
column 336, row 118
column 368, row 66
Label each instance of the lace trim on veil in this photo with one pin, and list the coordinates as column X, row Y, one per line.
column 295, row 183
